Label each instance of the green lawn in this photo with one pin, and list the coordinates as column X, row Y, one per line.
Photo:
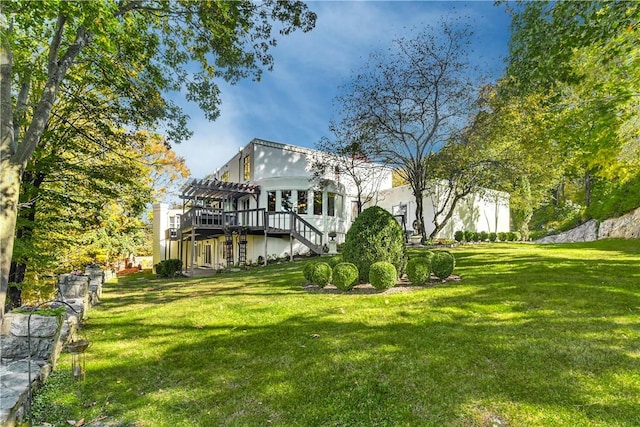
column 531, row 336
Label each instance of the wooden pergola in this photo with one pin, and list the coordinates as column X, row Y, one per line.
column 215, row 190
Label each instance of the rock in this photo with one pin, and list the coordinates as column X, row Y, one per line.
column 587, row 232
column 624, row 227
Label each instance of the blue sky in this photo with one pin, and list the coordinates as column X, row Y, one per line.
column 294, row 103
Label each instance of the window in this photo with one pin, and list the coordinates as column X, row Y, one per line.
column 207, row 254
column 331, row 204
column 317, row 202
column 271, row 201
column 174, row 221
column 302, row 202
column 247, row 167
column 339, row 205
column 225, row 177
column 286, row 200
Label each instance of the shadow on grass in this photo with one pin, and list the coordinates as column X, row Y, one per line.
column 548, row 340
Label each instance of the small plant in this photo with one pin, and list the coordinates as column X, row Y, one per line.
column 442, row 264
column 334, row 260
column 502, row 236
column 383, row 275
column 321, row 274
column 345, row 276
column 419, row 270
column 493, row 236
column 168, row 268
column 468, row 235
column 475, row 236
column 307, row 270
column 483, row 236
column 459, row 236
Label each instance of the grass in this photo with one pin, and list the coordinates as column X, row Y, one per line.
column 531, row 336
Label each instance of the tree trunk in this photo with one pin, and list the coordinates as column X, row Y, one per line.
column 419, row 212
column 10, row 174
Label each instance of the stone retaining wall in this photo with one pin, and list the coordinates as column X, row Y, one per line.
column 624, row 227
column 48, row 336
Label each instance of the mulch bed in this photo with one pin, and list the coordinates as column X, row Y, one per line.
column 403, row 285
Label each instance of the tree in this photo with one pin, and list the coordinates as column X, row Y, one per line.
column 346, row 157
column 408, row 102
column 581, row 61
column 138, row 49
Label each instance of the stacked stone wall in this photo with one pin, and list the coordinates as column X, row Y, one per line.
column 45, row 337
column 624, row 227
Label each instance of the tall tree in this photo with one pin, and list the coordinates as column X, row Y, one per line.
column 581, row 60
column 345, row 155
column 411, row 99
column 141, row 49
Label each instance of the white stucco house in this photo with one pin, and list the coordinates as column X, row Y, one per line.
column 266, row 202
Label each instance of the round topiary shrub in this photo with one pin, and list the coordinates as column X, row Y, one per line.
column 459, row 236
column 374, row 236
column 483, row 236
column 321, row 274
column 493, row 236
column 307, row 270
column 345, row 276
column 383, row 275
column 334, row 260
column 419, row 270
column 442, row 264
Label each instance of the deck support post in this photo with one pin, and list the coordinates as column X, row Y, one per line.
column 192, row 249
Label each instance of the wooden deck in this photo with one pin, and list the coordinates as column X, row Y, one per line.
column 212, row 222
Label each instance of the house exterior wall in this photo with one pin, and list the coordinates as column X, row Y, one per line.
column 476, row 212
column 162, row 220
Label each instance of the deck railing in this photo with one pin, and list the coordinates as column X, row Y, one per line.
column 274, row 222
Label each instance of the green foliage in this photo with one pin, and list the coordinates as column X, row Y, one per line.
column 459, row 236
column 374, row 236
column 334, row 260
column 442, row 264
column 502, row 236
column 307, row 270
column 613, row 199
column 168, row 268
column 468, row 236
column 321, row 274
column 383, row 275
column 483, row 236
column 493, row 236
column 419, row 270
column 345, row 276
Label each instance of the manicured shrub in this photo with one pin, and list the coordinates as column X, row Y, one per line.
column 419, row 270
column 502, row 236
column 334, row 260
column 168, row 268
column 374, row 236
column 483, row 236
column 468, row 235
column 383, row 275
column 321, row 275
column 307, row 270
column 345, row 276
column 442, row 264
column 459, row 236
column 475, row 236
column 493, row 236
